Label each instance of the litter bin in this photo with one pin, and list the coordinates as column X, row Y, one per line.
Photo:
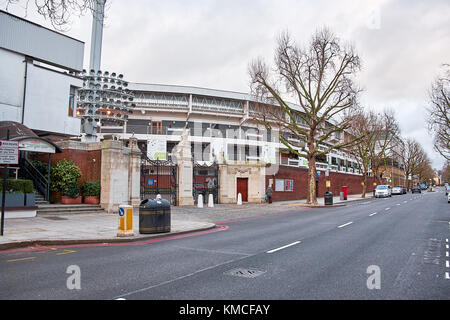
column 328, row 198
column 154, row 216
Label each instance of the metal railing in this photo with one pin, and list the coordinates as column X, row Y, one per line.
column 41, row 183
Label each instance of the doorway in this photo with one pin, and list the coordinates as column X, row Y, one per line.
column 242, row 188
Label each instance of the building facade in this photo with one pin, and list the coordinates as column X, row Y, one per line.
column 37, row 82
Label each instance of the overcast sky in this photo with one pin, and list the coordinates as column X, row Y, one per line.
column 210, row 43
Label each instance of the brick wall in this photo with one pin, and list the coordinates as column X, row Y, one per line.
column 89, row 161
column 300, row 177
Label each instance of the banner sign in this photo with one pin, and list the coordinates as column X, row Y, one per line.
column 157, row 148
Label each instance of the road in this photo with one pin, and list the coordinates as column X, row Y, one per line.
column 398, row 245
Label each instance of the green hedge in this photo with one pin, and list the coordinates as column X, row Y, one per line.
column 18, row 186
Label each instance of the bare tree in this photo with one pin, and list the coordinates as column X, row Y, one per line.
column 388, row 138
column 439, row 113
column 446, row 172
column 377, row 132
column 59, row 12
column 412, row 156
column 320, row 79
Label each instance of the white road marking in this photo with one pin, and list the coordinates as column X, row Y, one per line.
column 446, row 254
column 372, row 214
column 447, row 276
column 446, row 246
column 348, row 223
column 120, row 299
column 284, row 247
column 405, row 201
column 398, row 204
column 387, row 209
column 447, row 264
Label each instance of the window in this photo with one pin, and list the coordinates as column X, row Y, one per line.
column 156, row 127
column 72, row 95
column 289, row 185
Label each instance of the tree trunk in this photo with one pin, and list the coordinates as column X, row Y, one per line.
column 363, row 195
column 312, row 197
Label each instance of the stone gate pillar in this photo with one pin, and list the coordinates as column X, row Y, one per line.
column 120, row 173
column 184, row 171
column 134, row 175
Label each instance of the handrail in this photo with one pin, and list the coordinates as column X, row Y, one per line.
column 39, row 180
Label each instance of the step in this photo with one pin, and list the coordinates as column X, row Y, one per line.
column 68, row 209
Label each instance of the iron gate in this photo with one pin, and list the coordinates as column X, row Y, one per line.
column 205, row 181
column 158, row 177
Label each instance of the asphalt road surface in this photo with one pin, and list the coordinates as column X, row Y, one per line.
column 394, row 248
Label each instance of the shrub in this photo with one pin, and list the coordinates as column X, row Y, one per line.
column 71, row 190
column 63, row 174
column 91, row 188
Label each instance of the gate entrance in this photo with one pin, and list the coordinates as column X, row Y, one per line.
column 205, row 181
column 158, row 177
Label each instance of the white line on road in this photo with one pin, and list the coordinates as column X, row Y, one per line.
column 405, row 201
column 446, row 254
column 387, row 209
column 447, row 276
column 447, row 264
column 283, row 247
column 446, row 246
column 348, row 223
column 398, row 204
column 372, row 214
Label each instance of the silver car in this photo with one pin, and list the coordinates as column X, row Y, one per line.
column 398, row 190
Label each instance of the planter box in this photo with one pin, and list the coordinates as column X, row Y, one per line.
column 68, row 200
column 30, row 199
column 14, row 199
column 91, row 200
column 55, row 197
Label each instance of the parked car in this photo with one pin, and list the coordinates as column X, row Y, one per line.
column 423, row 186
column 383, row 191
column 448, row 197
column 447, row 190
column 416, row 189
column 399, row 190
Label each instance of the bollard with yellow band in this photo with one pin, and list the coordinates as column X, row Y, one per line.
column 125, row 221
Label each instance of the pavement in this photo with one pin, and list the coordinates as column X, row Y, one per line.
column 64, row 229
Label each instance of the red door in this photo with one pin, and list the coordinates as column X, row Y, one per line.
column 242, row 188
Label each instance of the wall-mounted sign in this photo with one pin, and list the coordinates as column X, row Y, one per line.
column 9, row 152
column 35, row 145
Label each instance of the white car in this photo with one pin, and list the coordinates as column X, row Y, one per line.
column 383, row 191
column 448, row 197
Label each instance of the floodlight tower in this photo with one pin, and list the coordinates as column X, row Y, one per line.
column 89, row 126
column 97, row 34
column 104, row 97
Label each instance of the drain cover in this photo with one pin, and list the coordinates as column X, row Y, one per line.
column 244, row 272
column 55, row 218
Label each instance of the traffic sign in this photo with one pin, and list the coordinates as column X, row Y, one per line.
column 9, row 152
column 121, row 212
